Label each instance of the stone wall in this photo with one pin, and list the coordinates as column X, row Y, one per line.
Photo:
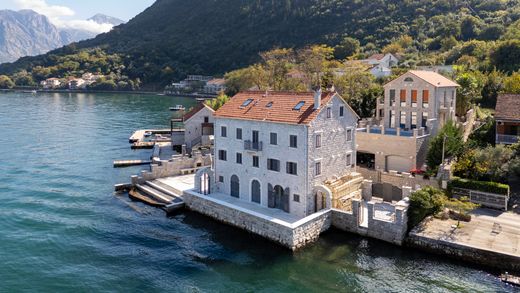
column 397, row 179
column 293, row 236
column 393, row 231
column 178, row 165
column 334, row 145
column 477, row 256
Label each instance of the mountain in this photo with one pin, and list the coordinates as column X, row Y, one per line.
column 175, row 37
column 102, row 18
column 27, row 33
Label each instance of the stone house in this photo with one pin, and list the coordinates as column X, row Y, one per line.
column 198, row 126
column 507, row 116
column 276, row 149
column 415, row 106
column 387, row 60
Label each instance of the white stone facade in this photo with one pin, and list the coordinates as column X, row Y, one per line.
column 332, row 155
column 198, row 127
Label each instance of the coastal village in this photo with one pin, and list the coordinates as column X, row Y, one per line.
column 288, row 166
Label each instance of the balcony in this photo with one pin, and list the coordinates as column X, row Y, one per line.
column 506, row 139
column 253, row 146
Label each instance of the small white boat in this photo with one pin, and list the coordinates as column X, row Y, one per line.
column 148, row 134
column 177, row 108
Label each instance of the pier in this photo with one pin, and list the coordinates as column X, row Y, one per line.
column 129, row 163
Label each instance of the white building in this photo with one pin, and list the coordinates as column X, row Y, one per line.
column 215, row 86
column 277, row 149
column 198, row 126
column 380, row 71
column 50, row 83
column 387, row 60
column 77, row 83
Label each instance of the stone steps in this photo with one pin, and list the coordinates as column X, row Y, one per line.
column 155, row 194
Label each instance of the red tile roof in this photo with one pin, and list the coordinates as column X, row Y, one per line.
column 377, row 57
column 194, row 111
column 508, row 107
column 281, row 109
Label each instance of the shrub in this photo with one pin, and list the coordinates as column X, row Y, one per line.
column 423, row 203
column 484, row 186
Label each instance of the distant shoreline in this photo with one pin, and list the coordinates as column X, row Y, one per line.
column 106, row 92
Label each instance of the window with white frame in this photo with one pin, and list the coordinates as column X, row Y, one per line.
column 349, row 160
column 317, row 168
column 349, row 134
column 318, row 141
column 329, row 112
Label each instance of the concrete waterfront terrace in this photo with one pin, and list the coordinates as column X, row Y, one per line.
column 491, row 238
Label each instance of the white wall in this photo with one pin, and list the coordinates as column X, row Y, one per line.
column 193, row 126
column 247, row 173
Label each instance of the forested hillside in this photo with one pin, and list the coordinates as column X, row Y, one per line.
column 174, row 37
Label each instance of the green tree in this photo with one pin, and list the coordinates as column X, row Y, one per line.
column 470, row 27
column 314, row 61
column 492, row 86
column 23, row 78
column 451, row 137
column 512, row 83
column 277, row 64
column 218, row 102
column 471, row 83
column 462, row 206
column 506, row 56
column 423, row 203
column 346, row 48
column 6, row 82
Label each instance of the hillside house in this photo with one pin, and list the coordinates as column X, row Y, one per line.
column 215, row 86
column 416, row 105
column 507, row 118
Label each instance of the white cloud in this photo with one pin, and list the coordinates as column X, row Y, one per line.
column 60, row 16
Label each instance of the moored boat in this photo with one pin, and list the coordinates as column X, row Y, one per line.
column 510, row 279
column 177, row 108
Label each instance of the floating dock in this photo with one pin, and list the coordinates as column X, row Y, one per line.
column 129, row 163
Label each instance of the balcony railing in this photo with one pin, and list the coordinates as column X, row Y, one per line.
column 507, row 139
column 253, row 146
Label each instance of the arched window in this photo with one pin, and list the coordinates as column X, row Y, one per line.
column 408, row 79
column 255, row 191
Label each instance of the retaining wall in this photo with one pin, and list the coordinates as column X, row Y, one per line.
column 292, row 235
column 481, row 257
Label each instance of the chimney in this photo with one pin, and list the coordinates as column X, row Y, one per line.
column 317, row 98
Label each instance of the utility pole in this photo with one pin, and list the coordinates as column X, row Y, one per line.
column 443, row 147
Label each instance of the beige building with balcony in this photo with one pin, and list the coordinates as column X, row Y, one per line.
column 415, row 106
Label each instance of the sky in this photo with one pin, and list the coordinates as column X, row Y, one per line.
column 73, row 13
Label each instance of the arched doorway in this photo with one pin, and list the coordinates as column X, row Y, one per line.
column 320, row 201
column 235, row 186
column 278, row 198
column 255, row 191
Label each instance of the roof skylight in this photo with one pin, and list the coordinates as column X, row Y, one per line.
column 246, row 103
column 299, row 106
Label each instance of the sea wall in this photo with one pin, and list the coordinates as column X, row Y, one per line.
column 393, row 230
column 291, row 235
column 487, row 258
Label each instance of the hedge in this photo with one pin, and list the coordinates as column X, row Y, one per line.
column 484, row 186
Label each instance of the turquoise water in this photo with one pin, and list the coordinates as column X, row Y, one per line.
column 63, row 229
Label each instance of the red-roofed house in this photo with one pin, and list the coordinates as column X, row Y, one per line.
column 507, row 118
column 276, row 149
